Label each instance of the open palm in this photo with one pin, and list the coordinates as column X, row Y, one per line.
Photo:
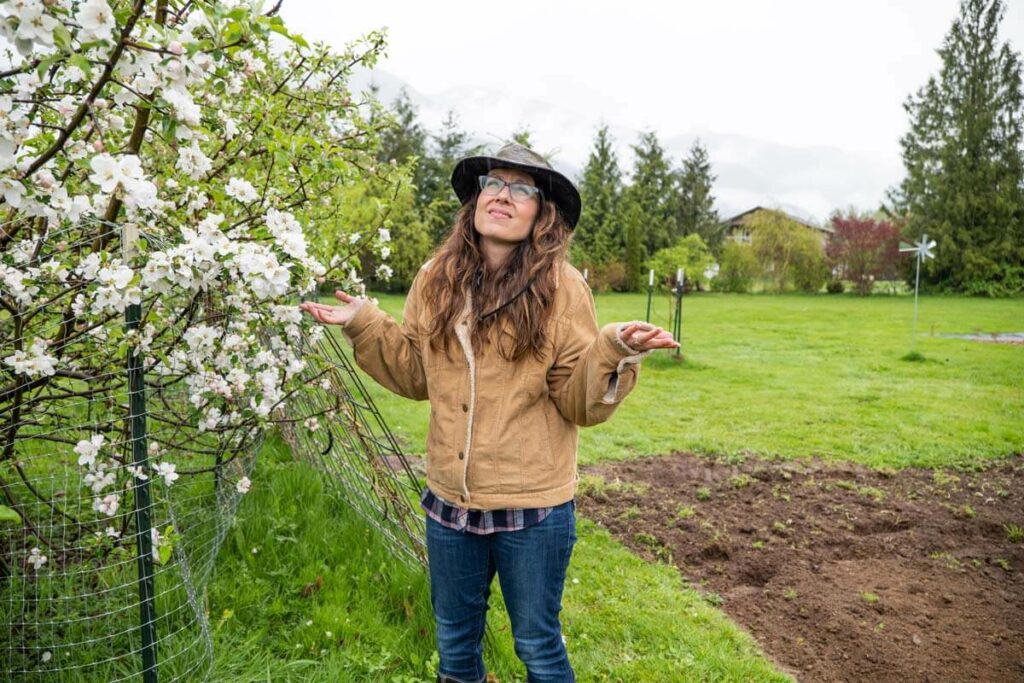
column 334, row 315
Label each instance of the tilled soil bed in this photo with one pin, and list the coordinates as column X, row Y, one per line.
column 841, row 572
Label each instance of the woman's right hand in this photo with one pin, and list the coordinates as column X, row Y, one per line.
column 334, row 315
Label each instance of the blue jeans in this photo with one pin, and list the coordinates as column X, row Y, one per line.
column 531, row 565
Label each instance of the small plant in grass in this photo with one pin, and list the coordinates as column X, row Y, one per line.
column 646, row 539
column 758, row 544
column 948, row 560
column 592, row 485
column 913, row 357
column 685, row 512
column 714, row 599
column 741, row 481
column 632, row 512
column 943, row 478
column 703, row 493
column 1003, row 564
column 790, row 594
column 1014, row 533
column 780, row 527
column 869, row 597
column 871, row 492
column 1003, row 493
column 967, row 511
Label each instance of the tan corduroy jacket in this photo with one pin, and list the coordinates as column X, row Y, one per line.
column 501, row 434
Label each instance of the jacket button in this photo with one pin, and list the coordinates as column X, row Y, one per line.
column 461, row 455
column 465, row 408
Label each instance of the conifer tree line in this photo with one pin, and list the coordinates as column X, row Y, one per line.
column 963, row 187
column 622, row 224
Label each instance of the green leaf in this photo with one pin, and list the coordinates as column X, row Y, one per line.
column 81, row 62
column 9, row 515
column 62, row 37
column 164, row 552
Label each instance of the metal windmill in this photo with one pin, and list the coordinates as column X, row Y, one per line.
column 923, row 250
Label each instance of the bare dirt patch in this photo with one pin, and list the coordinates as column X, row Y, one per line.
column 841, row 572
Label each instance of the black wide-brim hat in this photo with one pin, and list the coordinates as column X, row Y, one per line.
column 554, row 186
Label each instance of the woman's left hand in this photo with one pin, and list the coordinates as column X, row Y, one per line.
column 646, row 337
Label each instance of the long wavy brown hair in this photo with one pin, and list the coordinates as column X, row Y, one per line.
column 510, row 306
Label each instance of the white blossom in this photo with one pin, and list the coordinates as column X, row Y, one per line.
column 88, row 449
column 96, row 19
column 107, row 505
column 36, row 559
column 241, row 189
column 34, row 362
column 167, row 471
column 243, row 485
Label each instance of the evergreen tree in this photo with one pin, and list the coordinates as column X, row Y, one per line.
column 695, row 205
column 650, row 192
column 406, row 138
column 597, row 238
column 633, row 223
column 435, row 191
column 965, row 166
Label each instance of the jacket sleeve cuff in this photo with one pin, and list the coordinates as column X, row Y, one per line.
column 619, row 354
column 632, row 355
column 362, row 324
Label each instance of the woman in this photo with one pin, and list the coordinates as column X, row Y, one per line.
column 500, row 335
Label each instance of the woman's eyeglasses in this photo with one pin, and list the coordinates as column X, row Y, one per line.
column 520, row 192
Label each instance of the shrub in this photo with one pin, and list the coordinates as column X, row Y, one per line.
column 738, row 268
column 609, row 277
column 835, row 286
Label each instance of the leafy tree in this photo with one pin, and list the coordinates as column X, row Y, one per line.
column 863, row 250
column 694, row 204
column 738, row 268
column 649, row 194
column 786, row 250
column 809, row 267
column 691, row 254
column 597, row 237
column 964, row 182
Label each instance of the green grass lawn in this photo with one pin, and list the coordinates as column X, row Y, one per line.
column 793, row 376
column 774, row 375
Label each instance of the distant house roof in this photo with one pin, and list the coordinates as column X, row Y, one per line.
column 738, row 219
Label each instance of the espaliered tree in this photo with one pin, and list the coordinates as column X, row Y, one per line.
column 964, row 183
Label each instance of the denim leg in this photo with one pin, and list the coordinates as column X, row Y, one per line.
column 461, row 570
column 531, row 568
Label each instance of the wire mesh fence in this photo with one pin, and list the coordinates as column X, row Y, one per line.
column 105, row 547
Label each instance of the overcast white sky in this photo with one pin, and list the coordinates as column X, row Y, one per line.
column 794, row 72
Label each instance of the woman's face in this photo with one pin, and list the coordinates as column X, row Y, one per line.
column 501, row 220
